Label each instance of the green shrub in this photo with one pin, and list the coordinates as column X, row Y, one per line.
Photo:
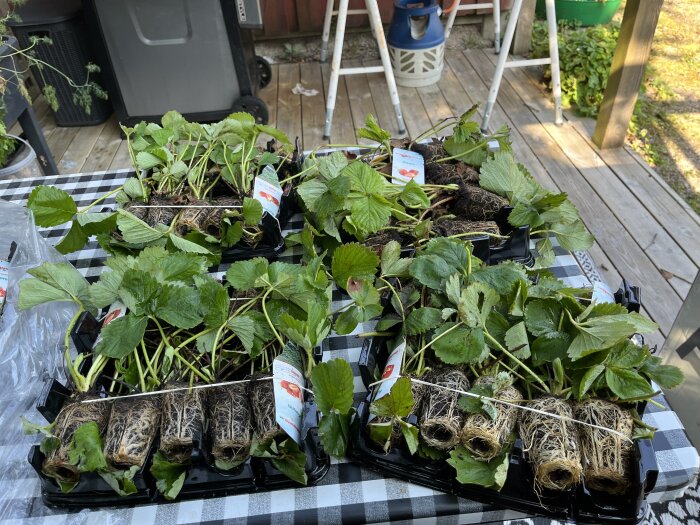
column 585, row 56
column 7, row 144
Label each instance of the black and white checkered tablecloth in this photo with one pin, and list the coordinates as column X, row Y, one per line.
column 348, row 493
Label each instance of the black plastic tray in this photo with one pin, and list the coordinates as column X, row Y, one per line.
column 580, row 504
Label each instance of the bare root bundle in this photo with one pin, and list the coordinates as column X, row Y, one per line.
column 377, row 241
column 262, row 401
column 477, row 204
column 444, row 173
column 161, row 215
column 132, row 428
column 72, row 415
column 606, row 456
column 230, row 428
column 552, row 444
column 448, row 228
column 441, row 419
column 193, row 219
column 182, row 423
column 484, row 437
column 212, row 223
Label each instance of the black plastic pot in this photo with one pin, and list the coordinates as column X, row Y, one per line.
column 518, row 493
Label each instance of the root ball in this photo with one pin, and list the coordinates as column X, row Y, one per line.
column 552, row 444
column 230, row 428
column 262, row 401
column 441, row 420
column 132, row 428
column 182, row 423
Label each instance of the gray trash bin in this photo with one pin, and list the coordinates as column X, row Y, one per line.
column 186, row 55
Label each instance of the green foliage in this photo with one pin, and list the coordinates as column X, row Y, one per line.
column 169, row 476
column 333, row 387
column 287, row 457
column 490, row 474
column 585, row 57
column 8, row 145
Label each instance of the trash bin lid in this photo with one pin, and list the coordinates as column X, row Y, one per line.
column 40, row 12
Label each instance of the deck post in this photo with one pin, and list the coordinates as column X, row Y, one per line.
column 523, row 31
column 630, row 59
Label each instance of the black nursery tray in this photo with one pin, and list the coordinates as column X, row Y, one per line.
column 582, row 504
column 91, row 490
column 515, row 248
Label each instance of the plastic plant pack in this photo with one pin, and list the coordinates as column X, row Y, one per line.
column 31, row 340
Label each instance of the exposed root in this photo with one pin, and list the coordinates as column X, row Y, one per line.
column 441, row 419
column 262, row 401
column 552, row 444
column 484, row 437
column 377, row 241
column 450, row 173
column 182, row 423
column 212, row 223
column 450, row 227
column 193, row 219
column 230, row 428
column 72, row 415
column 606, row 456
column 476, row 204
column 132, row 428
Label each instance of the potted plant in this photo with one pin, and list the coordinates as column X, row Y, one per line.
column 587, row 12
column 15, row 153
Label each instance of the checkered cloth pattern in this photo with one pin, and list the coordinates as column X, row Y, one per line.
column 348, row 493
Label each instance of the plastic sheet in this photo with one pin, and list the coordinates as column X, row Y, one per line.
column 31, row 341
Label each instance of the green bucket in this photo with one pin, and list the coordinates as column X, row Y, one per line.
column 588, row 12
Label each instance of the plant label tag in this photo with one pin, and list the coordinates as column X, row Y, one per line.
column 289, row 396
column 407, row 166
column 391, row 373
column 602, row 293
column 116, row 310
column 268, row 195
column 4, row 280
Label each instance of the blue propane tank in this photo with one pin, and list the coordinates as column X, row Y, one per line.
column 416, row 42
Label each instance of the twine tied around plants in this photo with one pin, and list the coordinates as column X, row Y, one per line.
column 188, row 388
column 508, row 403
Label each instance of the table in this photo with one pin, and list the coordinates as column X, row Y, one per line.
column 348, row 493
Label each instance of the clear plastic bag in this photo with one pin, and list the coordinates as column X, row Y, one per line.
column 31, row 341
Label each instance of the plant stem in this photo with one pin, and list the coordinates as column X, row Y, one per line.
column 518, row 361
column 100, row 199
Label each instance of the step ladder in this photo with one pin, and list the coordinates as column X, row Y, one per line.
column 375, row 22
column 495, row 5
column 503, row 61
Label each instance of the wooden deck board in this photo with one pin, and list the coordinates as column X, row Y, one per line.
column 654, row 230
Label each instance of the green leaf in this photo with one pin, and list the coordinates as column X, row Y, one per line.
column 120, row 337
column 373, row 131
column 501, row 175
column 588, row 379
column 311, row 191
column 187, row 246
column 501, row 277
column 410, row 434
column 333, row 386
column 422, row 320
column 121, row 481
column 381, row 433
column 331, row 165
column 214, row 298
column 546, row 349
column 371, row 213
column 53, row 282
column 252, row 211
column 476, row 303
column 74, row 240
column 348, row 320
column 517, row 341
column 99, row 222
column 334, row 433
column 49, row 444
column 475, row 405
column 353, row 260
column 291, row 461
column 179, row 306
column 397, row 403
column 666, row 376
column 453, row 251
column 85, row 450
column 243, row 274
column 146, row 161
column 132, row 187
column 413, row 196
column 430, row 270
column 573, row 236
column 460, row 345
column 542, row 316
column 627, row 384
column 490, row 474
column 135, row 230
column 391, row 262
column 170, row 476
column 51, row 206
column 29, row 428
column 244, row 328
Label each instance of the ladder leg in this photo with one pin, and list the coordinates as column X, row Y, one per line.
column 451, row 19
column 326, row 29
column 554, row 55
column 335, row 67
column 497, row 25
column 373, row 12
column 501, row 65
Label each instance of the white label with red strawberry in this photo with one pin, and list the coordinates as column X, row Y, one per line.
column 268, row 195
column 4, row 279
column 116, row 310
column 289, row 397
column 407, row 166
column 391, row 373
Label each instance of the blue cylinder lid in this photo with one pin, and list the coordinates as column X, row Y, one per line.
column 416, row 25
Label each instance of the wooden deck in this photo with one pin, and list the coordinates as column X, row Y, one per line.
column 644, row 231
